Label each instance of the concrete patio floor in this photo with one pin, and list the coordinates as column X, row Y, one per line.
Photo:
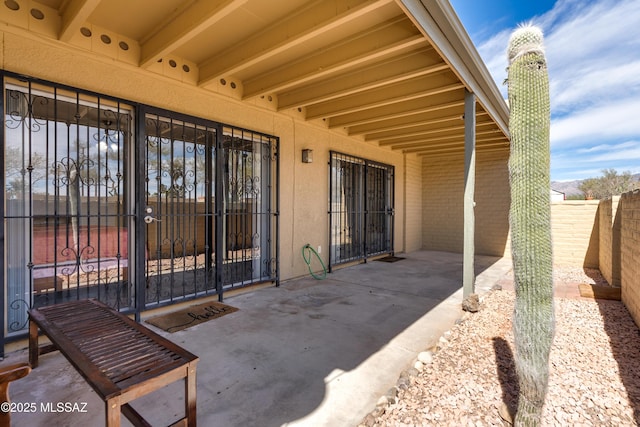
column 307, row 353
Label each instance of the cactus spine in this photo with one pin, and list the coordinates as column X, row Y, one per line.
column 530, row 221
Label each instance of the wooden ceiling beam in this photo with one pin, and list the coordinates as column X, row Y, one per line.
column 411, row 108
column 74, row 15
column 420, row 114
column 452, row 145
column 459, row 150
column 400, row 138
column 417, row 142
column 425, row 128
column 390, row 37
column 185, row 26
column 391, row 94
column 297, row 28
column 354, row 83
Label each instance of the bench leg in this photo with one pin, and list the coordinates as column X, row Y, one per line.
column 33, row 344
column 112, row 412
column 190, row 395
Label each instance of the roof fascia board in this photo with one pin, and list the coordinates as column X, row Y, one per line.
column 439, row 22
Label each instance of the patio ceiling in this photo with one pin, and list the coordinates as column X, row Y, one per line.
column 392, row 72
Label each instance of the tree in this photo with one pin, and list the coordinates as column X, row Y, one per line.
column 20, row 172
column 609, row 184
column 530, row 218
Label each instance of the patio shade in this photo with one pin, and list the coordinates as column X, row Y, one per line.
column 389, row 72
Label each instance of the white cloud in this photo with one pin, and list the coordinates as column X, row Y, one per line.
column 588, row 162
column 573, row 174
column 598, row 124
column 566, row 166
column 594, row 31
column 494, row 55
column 591, row 86
column 608, row 147
column 593, row 53
column 617, row 155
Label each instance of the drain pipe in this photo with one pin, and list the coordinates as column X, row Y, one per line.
column 306, row 255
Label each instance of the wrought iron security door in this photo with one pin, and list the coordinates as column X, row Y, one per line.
column 209, row 209
column 360, row 208
column 248, row 187
column 67, row 218
column 178, row 209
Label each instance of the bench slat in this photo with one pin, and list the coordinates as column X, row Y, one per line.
column 111, row 351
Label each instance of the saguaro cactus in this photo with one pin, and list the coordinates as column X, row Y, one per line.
column 530, row 221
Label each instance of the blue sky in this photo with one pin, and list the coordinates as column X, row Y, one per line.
column 593, row 55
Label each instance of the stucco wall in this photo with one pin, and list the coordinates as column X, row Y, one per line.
column 442, row 203
column 303, row 186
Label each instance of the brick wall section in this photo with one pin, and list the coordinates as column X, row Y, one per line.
column 574, row 224
column 442, row 216
column 442, row 203
column 413, row 200
column 609, row 239
column 629, row 208
column 493, row 197
column 574, row 230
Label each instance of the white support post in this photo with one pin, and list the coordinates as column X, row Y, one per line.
column 468, row 273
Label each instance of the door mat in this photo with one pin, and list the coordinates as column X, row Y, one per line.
column 600, row 292
column 190, row 316
column 390, row 258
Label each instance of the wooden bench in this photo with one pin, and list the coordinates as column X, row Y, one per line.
column 7, row 375
column 121, row 359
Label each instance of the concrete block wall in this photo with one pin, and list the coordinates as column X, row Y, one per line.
column 575, row 233
column 574, row 223
column 493, row 197
column 442, row 203
column 575, row 229
column 413, row 199
column 609, row 243
column 629, row 208
column 442, row 190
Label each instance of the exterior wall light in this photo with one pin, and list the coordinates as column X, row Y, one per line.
column 307, row 156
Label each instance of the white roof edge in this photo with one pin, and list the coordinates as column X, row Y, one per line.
column 440, row 23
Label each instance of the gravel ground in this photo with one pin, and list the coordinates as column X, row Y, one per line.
column 594, row 368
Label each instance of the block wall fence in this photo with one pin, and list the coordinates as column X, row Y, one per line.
column 575, row 233
column 586, row 233
column 442, row 203
column 605, row 235
column 575, row 241
column 619, row 257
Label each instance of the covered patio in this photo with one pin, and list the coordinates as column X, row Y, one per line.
column 310, row 352
column 236, row 133
column 182, row 150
